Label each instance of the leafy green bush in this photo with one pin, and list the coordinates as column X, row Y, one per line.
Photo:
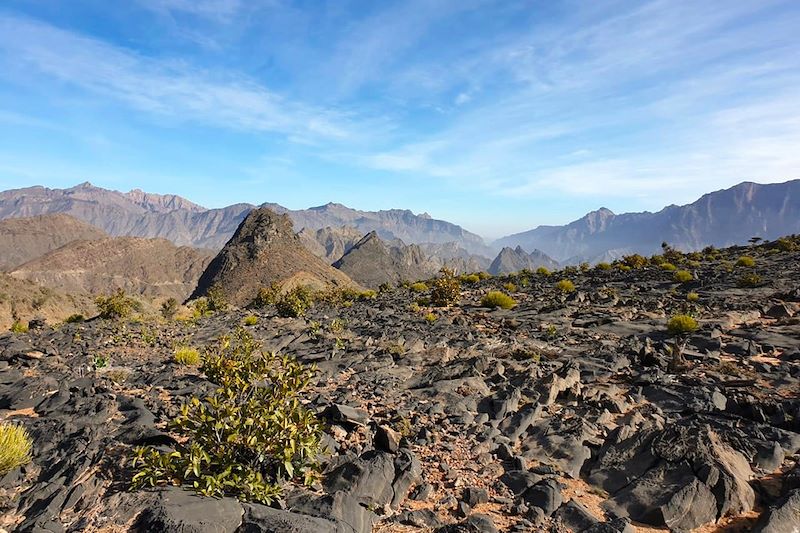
column 15, row 447
column 266, row 296
column 668, row 266
column 419, row 286
column 749, row 280
column 247, row 438
column 200, row 308
column 446, row 290
column 216, row 299
column 18, row 326
column 116, row 306
column 74, row 318
column 186, row 355
column 746, row 261
column 250, row 320
column 565, row 286
column 498, row 299
column 169, row 308
column 682, row 276
column 295, row 303
column 543, row 271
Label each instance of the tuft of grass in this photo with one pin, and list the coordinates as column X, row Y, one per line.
column 430, row 318
column 510, row 287
column 15, row 447
column 250, row 320
column 470, row 279
column 749, row 280
column 693, row 297
column 603, row 266
column 682, row 276
column 565, row 286
column 74, row 319
column 419, row 286
column 681, row 325
column 668, row 266
column 186, row 355
column 19, row 327
column 543, row 271
column 746, row 261
column 495, row 299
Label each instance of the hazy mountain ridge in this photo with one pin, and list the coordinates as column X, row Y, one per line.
column 720, row 218
column 511, row 260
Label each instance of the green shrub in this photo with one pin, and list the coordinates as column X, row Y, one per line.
column 746, row 261
column 749, row 280
column 367, row 295
column 693, row 297
column 245, row 439
column 543, row 271
column 668, row 266
column 116, row 306
column 385, row 288
column 15, row 447
column 510, row 287
column 565, row 286
column 446, row 290
column 266, row 296
column 419, row 286
column 784, row 245
column 169, row 308
column 498, row 299
column 250, row 320
column 681, row 325
column 200, row 307
column 74, row 319
column 624, row 268
column 484, row 275
column 216, row 299
column 603, row 266
column 19, row 326
column 295, row 303
column 634, row 261
column 188, row 356
column 682, row 276
column 414, row 307
column 470, row 279
column 430, row 318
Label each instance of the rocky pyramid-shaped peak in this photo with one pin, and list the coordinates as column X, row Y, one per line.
column 372, row 261
column 330, row 243
column 511, row 260
column 264, row 249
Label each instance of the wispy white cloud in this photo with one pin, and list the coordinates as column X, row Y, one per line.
column 164, row 87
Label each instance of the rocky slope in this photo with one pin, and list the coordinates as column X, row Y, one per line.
column 560, row 414
column 27, row 301
column 24, row 239
column 265, row 250
column 514, row 260
column 454, row 257
column 372, row 262
column 721, row 218
column 329, row 243
column 148, row 267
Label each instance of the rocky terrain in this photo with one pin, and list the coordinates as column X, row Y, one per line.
column 329, row 243
column 265, row 250
column 146, row 267
column 372, row 262
column 560, row 414
column 24, row 239
column 514, row 260
column 27, row 300
column 721, row 218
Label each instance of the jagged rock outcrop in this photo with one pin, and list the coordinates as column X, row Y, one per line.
column 330, row 243
column 24, row 239
column 149, row 267
column 372, row 262
column 264, row 250
column 721, row 218
column 454, row 257
column 513, row 260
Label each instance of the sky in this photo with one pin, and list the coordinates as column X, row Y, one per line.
column 495, row 115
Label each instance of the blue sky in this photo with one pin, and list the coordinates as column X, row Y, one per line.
column 499, row 116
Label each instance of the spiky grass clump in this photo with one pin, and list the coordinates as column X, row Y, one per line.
column 682, row 276
column 250, row 320
column 186, row 355
column 565, row 286
column 680, row 325
column 498, row 299
column 418, row 287
column 693, row 297
column 15, row 447
column 746, row 261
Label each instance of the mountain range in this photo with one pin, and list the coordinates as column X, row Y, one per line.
column 720, row 218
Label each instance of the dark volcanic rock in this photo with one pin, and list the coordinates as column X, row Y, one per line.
column 179, row 511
